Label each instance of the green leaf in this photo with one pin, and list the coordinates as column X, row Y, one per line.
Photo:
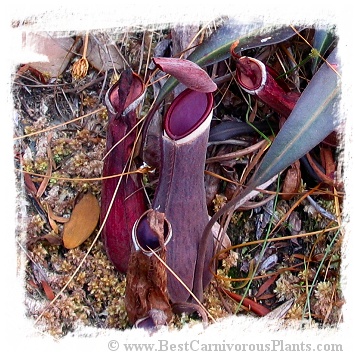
column 310, row 122
column 323, row 39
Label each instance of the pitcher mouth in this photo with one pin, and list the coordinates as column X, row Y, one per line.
column 257, row 68
column 134, row 98
column 186, row 113
column 144, row 238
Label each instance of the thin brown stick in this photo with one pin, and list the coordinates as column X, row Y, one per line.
column 86, row 44
column 139, row 171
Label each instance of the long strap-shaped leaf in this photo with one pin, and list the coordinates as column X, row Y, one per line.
column 323, row 39
column 311, row 121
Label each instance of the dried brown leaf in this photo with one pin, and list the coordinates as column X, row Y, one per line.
column 82, row 222
column 30, row 186
column 52, row 223
column 221, row 244
column 47, row 290
column 281, row 310
column 45, row 180
column 292, row 181
column 248, row 303
column 103, row 56
column 57, row 51
column 146, row 287
column 51, row 238
column 265, row 286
